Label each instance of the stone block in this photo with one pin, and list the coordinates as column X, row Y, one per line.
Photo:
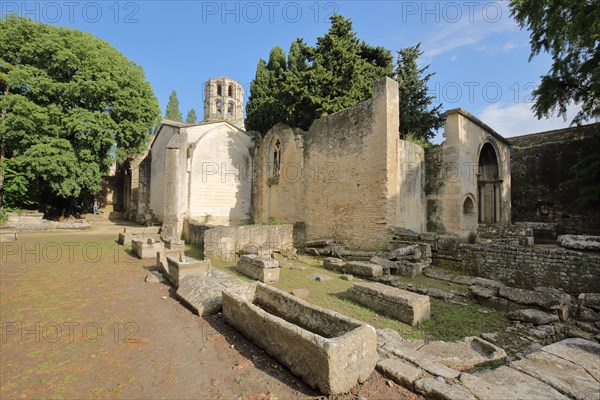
column 579, row 242
column 589, row 300
column 434, row 389
column 161, row 259
column 203, row 292
column 401, row 372
column 329, row 351
column 365, row 269
column 174, row 244
column 547, row 300
column 146, row 248
column 462, row 356
column 567, row 377
column 523, row 385
column 154, row 277
column 483, row 292
column 254, row 249
column 487, row 390
column 259, row 268
column 389, row 267
column 334, row 264
column 124, row 238
column 183, row 266
column 405, row 306
column 533, row 316
column 579, row 351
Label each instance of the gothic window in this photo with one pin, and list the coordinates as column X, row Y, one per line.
column 230, row 109
column 230, row 91
column 219, row 107
column 219, row 90
column 277, row 158
column 468, row 206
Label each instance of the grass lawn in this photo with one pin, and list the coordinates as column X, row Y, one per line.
column 448, row 321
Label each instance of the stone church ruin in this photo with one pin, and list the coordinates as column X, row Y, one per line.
column 383, row 210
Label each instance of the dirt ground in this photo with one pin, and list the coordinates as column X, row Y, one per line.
column 78, row 321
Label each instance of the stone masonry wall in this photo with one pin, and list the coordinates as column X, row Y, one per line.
column 541, row 165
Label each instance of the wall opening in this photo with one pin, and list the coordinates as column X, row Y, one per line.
column 275, row 155
column 230, row 109
column 219, row 89
column 230, row 91
column 468, row 206
column 219, row 107
column 489, row 183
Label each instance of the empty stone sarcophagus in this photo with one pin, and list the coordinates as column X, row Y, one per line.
column 329, row 351
column 178, row 267
column 146, row 248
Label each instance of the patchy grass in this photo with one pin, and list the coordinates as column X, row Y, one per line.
column 448, row 321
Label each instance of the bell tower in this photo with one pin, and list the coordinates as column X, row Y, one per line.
column 224, row 101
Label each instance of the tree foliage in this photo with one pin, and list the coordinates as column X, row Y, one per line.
column 315, row 81
column 417, row 118
column 570, row 31
column 172, row 111
column 71, row 104
column 191, row 117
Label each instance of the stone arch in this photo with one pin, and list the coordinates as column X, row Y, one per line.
column 230, row 109
column 469, row 205
column 230, row 90
column 219, row 107
column 489, row 183
column 219, row 89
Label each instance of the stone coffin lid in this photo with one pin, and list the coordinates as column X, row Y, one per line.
column 260, row 262
column 391, row 293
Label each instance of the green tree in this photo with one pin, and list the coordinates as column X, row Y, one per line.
column 337, row 73
column 417, row 118
column 191, row 116
column 569, row 30
column 71, row 104
column 173, row 112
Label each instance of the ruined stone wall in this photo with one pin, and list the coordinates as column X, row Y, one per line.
column 541, row 165
column 528, row 267
column 451, row 181
column 157, row 170
column 349, row 177
column 225, row 242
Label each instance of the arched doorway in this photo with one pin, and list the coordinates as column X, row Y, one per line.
column 489, row 183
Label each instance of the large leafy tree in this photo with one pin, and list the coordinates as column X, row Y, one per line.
column 570, row 31
column 418, row 119
column 71, row 104
column 315, row 81
column 173, row 112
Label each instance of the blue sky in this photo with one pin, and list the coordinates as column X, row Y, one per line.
column 479, row 54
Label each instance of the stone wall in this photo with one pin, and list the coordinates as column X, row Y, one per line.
column 349, row 177
column 457, row 196
column 541, row 165
column 528, row 267
column 226, row 242
column 510, row 262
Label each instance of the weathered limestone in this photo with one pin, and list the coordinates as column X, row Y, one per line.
column 260, row 268
column 161, row 258
column 124, row 238
column 203, row 291
column 468, row 354
column 174, row 244
column 533, row 316
column 146, row 248
column 401, row 372
column 484, row 390
column 227, row 241
column 405, row 306
column 154, row 277
column 180, row 267
column 435, row 389
column 358, row 268
column 582, row 352
column 329, row 351
column 567, row 377
column 579, row 242
column 523, row 385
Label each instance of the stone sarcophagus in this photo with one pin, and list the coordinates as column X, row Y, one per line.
column 179, row 267
column 328, row 350
column 408, row 307
column 146, row 248
column 260, row 268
